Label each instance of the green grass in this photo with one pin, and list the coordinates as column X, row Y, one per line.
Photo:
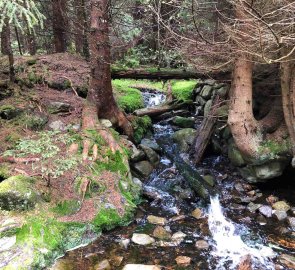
column 183, row 90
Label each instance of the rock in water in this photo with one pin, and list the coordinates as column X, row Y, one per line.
column 246, row 263
column 157, row 220
column 281, row 206
column 143, row 168
column 183, row 122
column 266, row 211
column 280, row 215
column 202, row 244
column 140, row 267
column 151, row 144
column 183, row 261
column 287, row 260
column 197, row 213
column 160, row 233
column 142, row 239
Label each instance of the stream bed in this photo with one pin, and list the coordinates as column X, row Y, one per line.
column 186, row 232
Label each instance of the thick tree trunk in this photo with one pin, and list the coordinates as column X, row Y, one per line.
column 100, row 89
column 59, row 24
column 288, row 100
column 244, row 127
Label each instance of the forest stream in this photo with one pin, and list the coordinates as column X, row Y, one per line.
column 174, row 229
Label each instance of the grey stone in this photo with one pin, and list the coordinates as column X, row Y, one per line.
column 106, row 123
column 280, row 215
column 183, row 122
column 253, row 207
column 143, row 168
column 202, row 244
column 210, row 82
column 291, row 222
column 57, row 125
column 207, row 107
column 269, row 170
column 137, row 155
column 266, row 211
column 206, row 92
column 142, row 239
column 200, row 101
column 58, row 107
column 184, row 138
column 152, row 156
column 222, row 111
column 222, row 92
column 157, row 220
column 151, row 144
column 161, row 233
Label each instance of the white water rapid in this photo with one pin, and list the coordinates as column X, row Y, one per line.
column 229, row 247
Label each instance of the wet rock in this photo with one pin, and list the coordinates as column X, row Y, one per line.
column 151, row 144
column 266, row 211
column 202, row 244
column 17, row 193
column 251, row 193
column 143, row 168
column 253, row 207
column 222, row 92
column 106, row 123
column 197, row 213
column 291, row 222
column 152, row 156
column 103, row 265
column 206, row 92
column 140, row 267
column 137, row 155
column 116, row 260
column 160, row 233
column 178, row 236
column 200, row 101
column 183, row 261
column 142, row 239
column 58, row 107
column 280, row 215
column 183, row 122
column 270, row 170
column 57, row 125
column 177, row 218
column 157, row 220
column 124, row 243
column 287, row 260
column 261, row 220
column 272, row 199
column 209, row 179
column 184, row 138
column 239, row 187
column 281, row 206
column 246, row 263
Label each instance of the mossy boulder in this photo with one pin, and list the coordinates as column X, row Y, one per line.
column 184, row 138
column 58, row 107
column 143, row 168
column 235, row 155
column 9, row 112
column 18, row 193
column 206, row 92
column 184, row 122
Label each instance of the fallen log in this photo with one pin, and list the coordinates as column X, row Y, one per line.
column 157, row 110
column 168, row 75
column 205, row 131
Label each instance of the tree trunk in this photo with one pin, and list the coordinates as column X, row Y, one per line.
column 100, row 99
column 18, row 41
column 31, row 42
column 80, row 28
column 7, row 49
column 244, row 127
column 288, row 100
column 59, row 24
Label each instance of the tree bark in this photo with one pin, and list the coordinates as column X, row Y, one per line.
column 244, row 127
column 59, row 24
column 100, row 99
column 288, row 100
column 7, row 49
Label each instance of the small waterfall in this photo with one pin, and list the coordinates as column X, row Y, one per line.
column 229, row 247
column 153, row 99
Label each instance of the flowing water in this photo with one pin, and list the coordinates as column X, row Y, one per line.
column 170, row 196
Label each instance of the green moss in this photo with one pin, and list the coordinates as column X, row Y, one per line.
column 141, row 126
column 273, row 149
column 34, row 122
column 4, row 172
column 129, row 99
column 67, row 207
column 183, row 90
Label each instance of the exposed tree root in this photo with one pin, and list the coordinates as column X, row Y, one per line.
column 18, row 160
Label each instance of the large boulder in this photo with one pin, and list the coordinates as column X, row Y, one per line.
column 207, row 92
column 18, row 193
column 152, row 156
column 184, row 138
column 184, row 122
column 58, row 107
column 151, row 144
